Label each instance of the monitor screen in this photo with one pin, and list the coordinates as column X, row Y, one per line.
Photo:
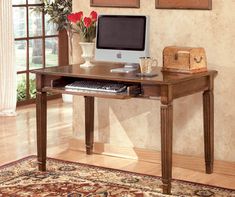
column 121, row 32
column 122, row 38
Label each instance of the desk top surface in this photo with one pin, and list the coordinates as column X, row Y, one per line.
column 102, row 71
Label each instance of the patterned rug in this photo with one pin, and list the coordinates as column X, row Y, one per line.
column 63, row 178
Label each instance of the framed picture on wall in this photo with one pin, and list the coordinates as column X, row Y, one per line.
column 184, row 4
column 115, row 3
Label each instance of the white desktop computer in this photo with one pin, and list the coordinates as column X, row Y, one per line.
column 122, row 38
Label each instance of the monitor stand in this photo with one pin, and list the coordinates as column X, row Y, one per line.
column 130, row 67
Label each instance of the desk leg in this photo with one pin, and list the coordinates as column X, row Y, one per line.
column 166, row 146
column 208, row 116
column 41, row 113
column 89, row 123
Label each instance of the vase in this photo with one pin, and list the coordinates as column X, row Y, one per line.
column 87, row 53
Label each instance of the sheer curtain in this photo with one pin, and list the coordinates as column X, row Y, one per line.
column 7, row 68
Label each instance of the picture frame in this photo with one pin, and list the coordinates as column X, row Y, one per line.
column 184, row 4
column 115, row 3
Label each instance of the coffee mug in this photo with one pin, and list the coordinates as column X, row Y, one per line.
column 147, row 64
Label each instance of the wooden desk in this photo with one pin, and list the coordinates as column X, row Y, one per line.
column 166, row 86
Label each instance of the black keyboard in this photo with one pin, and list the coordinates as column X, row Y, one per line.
column 100, row 86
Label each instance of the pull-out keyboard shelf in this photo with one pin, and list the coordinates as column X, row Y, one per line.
column 59, row 86
column 62, row 90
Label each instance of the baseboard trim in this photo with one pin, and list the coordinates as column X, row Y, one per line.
column 183, row 161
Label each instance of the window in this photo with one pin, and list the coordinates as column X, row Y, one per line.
column 37, row 45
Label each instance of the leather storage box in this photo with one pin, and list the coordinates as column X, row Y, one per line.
column 184, row 59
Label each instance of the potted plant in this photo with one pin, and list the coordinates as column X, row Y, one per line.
column 86, row 28
column 58, row 10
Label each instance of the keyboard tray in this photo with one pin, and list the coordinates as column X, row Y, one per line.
column 63, row 85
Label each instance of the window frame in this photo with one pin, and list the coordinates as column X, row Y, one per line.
column 63, row 50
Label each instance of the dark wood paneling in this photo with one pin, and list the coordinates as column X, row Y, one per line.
column 166, row 146
column 189, row 87
column 150, row 90
column 116, row 3
column 89, row 123
column 41, row 114
column 184, row 4
column 208, row 116
column 63, row 48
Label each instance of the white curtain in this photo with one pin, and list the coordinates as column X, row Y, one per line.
column 7, row 68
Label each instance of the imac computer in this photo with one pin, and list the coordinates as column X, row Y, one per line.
column 122, row 38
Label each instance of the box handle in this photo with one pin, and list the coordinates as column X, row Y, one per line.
column 198, row 60
column 180, row 52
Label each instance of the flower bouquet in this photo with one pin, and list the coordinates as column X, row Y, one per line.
column 84, row 26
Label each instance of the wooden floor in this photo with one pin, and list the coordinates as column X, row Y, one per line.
column 18, row 139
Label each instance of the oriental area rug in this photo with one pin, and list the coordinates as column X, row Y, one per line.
column 63, row 178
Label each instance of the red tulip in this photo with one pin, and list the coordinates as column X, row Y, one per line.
column 75, row 17
column 87, row 22
column 93, row 16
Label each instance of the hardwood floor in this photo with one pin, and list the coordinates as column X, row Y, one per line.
column 18, row 139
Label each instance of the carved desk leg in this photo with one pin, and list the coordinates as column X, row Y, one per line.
column 89, row 123
column 166, row 146
column 208, row 116
column 41, row 113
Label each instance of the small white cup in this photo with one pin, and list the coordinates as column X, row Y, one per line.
column 147, row 64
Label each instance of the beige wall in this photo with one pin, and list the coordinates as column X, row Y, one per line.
column 136, row 122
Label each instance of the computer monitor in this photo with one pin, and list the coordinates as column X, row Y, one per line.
column 122, row 38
